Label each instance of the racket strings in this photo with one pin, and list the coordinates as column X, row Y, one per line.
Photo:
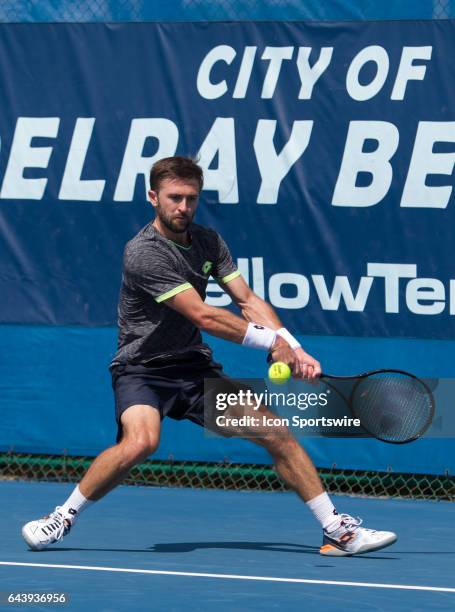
column 392, row 408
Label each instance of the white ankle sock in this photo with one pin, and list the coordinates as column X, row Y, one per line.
column 74, row 505
column 323, row 509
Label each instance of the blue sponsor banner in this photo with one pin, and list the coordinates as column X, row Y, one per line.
column 328, row 151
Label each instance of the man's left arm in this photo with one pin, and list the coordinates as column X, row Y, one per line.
column 255, row 309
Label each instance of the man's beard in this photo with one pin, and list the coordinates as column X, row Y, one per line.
column 178, row 226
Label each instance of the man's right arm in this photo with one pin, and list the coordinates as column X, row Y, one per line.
column 223, row 323
column 215, row 321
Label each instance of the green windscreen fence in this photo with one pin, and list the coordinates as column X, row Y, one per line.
column 232, row 476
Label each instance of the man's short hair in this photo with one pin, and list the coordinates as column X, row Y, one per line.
column 176, row 167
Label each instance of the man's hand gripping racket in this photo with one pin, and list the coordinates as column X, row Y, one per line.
column 303, row 366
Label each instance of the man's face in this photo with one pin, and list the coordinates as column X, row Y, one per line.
column 175, row 203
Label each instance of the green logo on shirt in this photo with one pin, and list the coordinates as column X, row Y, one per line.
column 207, row 267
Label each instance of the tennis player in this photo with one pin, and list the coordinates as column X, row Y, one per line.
column 161, row 362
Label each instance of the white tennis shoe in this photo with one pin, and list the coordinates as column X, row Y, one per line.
column 46, row 530
column 351, row 539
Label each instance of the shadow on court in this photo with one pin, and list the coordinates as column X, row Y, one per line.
column 187, row 547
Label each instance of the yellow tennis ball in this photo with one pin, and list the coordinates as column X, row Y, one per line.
column 279, row 373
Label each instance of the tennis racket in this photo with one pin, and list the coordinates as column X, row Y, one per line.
column 392, row 405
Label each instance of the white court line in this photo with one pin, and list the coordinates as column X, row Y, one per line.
column 96, row 568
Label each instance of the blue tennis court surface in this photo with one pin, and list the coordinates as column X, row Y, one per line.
column 181, row 549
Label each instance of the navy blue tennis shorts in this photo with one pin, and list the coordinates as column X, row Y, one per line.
column 175, row 388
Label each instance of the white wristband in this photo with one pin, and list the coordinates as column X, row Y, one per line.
column 260, row 337
column 293, row 342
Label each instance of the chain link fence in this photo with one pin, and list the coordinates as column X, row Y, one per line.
column 136, row 10
column 80, row 11
column 441, row 9
column 14, row 466
column 235, row 10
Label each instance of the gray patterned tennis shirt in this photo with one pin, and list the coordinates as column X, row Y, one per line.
column 154, row 270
